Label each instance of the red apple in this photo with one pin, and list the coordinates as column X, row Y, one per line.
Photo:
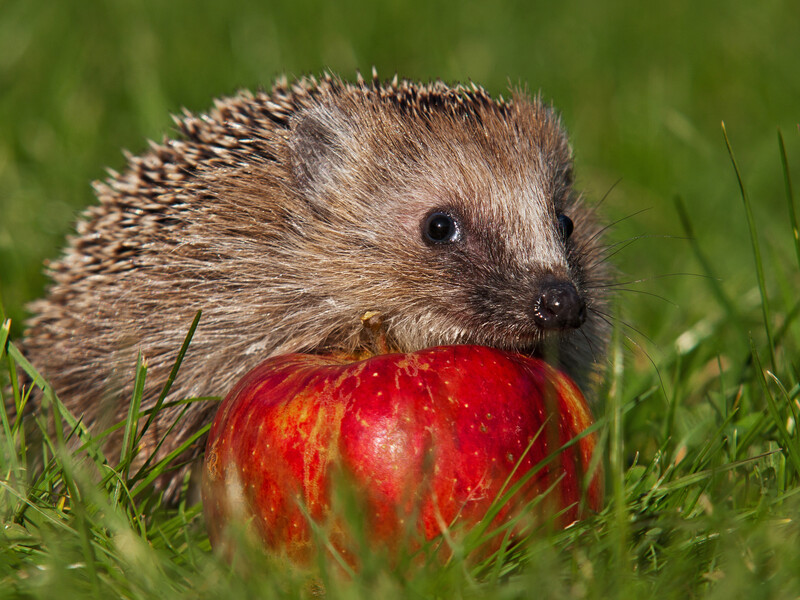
column 436, row 435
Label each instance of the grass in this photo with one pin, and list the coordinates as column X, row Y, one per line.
column 698, row 417
column 703, row 479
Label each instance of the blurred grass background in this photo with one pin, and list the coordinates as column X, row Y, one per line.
column 642, row 88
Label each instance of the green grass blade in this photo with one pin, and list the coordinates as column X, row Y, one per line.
column 146, row 467
column 793, row 439
column 14, row 459
column 132, row 421
column 5, row 331
column 20, row 400
column 762, row 286
column 789, row 443
column 49, row 396
column 616, row 461
column 76, row 498
column 172, row 375
column 714, row 282
column 26, row 366
column 686, row 481
column 787, row 181
column 157, row 470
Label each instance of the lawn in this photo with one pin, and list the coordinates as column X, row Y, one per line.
column 699, row 407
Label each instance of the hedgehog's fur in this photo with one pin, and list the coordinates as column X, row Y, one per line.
column 286, row 216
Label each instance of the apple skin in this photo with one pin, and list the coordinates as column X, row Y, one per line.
column 432, row 435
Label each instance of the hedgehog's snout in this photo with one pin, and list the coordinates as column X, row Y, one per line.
column 559, row 305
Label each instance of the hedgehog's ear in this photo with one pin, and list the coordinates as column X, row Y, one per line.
column 317, row 147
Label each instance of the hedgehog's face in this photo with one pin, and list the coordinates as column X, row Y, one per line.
column 510, row 294
column 501, row 264
column 467, row 227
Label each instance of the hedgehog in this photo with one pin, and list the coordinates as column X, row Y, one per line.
column 324, row 216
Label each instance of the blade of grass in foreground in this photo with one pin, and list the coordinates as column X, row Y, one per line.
column 129, row 440
column 788, row 442
column 49, row 396
column 616, row 461
column 172, row 375
column 10, row 442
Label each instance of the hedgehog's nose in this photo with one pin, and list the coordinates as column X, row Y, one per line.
column 559, row 306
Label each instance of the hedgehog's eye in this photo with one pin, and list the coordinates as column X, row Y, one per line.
column 440, row 228
column 565, row 226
